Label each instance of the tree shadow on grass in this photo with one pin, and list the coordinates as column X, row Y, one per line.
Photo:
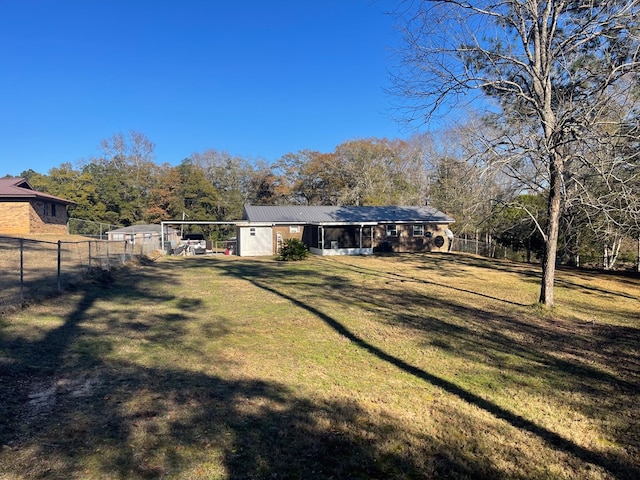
column 30, row 360
column 476, row 333
column 123, row 420
column 479, row 329
column 585, row 307
column 150, row 423
column 566, row 276
column 68, row 412
column 440, row 282
column 269, row 280
column 593, row 367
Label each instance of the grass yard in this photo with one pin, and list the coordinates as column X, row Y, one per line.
column 390, row 367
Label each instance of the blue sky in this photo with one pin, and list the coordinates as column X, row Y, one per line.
column 254, row 78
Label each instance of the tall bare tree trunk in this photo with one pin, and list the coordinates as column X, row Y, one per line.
column 551, row 240
column 538, row 60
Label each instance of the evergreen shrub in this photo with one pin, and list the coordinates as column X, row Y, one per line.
column 293, row 250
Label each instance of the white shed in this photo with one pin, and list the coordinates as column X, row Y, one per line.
column 255, row 240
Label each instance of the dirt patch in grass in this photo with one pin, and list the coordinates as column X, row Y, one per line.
column 403, row 366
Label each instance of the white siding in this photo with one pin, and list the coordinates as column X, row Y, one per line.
column 255, row 241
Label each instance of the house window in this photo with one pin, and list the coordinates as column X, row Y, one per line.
column 45, row 207
column 392, row 230
column 294, row 229
column 117, row 237
column 252, row 232
column 418, row 230
column 53, row 209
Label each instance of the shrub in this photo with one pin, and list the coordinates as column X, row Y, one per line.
column 293, row 250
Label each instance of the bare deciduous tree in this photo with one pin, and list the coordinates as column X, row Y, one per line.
column 231, row 176
column 550, row 65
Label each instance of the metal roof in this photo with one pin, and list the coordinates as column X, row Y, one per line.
column 343, row 215
column 19, row 188
column 152, row 228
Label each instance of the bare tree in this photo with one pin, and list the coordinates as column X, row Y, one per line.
column 231, row 176
column 603, row 175
column 132, row 150
column 377, row 171
column 128, row 172
column 551, row 65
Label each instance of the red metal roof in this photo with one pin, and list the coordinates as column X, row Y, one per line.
column 19, row 189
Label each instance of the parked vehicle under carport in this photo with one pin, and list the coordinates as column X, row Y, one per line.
column 192, row 244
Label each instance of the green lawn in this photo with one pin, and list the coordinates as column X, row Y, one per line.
column 400, row 366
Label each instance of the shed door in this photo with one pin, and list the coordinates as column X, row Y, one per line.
column 256, row 241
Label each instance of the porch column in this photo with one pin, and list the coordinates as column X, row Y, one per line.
column 360, row 237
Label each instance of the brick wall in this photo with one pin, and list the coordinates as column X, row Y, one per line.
column 14, row 218
column 43, row 220
column 406, row 242
column 286, row 233
column 24, row 218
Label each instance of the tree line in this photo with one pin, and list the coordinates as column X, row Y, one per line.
column 125, row 186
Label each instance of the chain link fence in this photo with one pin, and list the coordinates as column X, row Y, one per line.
column 485, row 249
column 33, row 269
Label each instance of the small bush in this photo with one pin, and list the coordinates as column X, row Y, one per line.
column 293, row 250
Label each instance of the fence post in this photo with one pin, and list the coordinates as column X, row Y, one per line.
column 59, row 265
column 22, row 270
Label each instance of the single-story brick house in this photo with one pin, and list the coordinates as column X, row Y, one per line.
column 25, row 211
column 328, row 230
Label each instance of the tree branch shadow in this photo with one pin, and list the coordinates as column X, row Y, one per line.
column 130, row 421
column 124, row 420
column 618, row 467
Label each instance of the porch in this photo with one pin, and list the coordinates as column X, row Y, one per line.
column 348, row 239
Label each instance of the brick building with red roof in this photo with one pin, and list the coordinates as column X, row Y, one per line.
column 25, row 211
